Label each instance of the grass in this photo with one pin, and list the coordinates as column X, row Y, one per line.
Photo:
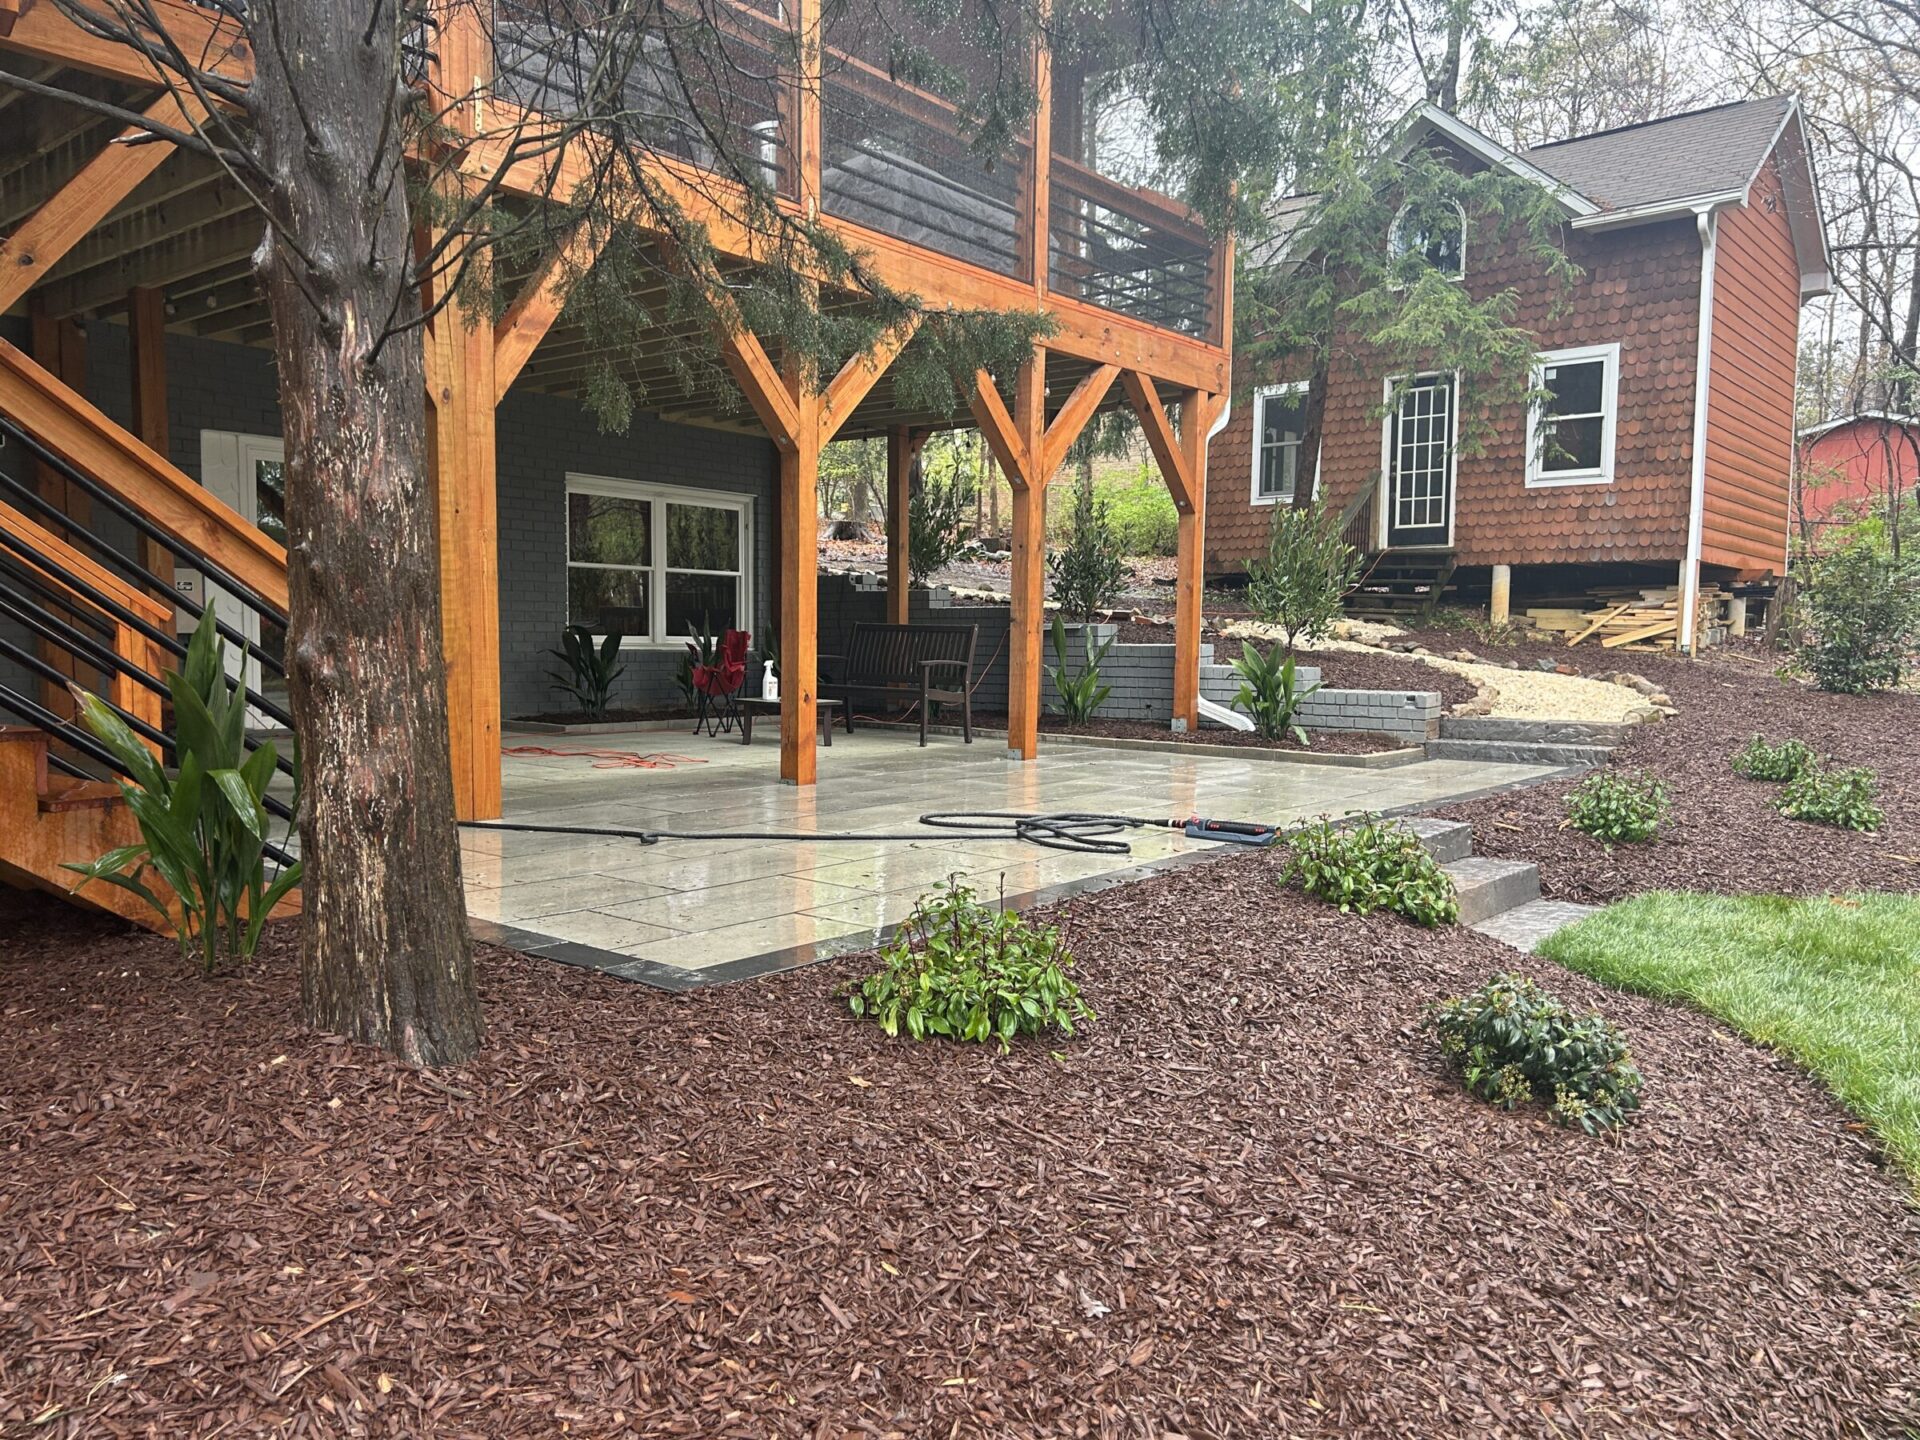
column 1832, row 982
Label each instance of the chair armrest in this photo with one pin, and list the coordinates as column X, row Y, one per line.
column 950, row 664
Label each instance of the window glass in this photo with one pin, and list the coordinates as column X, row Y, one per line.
column 1281, row 419
column 700, row 537
column 1436, row 232
column 708, row 603
column 608, row 529
column 1573, row 428
column 608, row 601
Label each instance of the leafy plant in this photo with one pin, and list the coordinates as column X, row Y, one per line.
column 1758, row 760
column 1270, row 692
column 1617, row 808
column 1144, row 519
column 1863, row 614
column 967, row 971
column 1841, row 798
column 1300, row 582
column 1376, row 865
column 1080, row 693
column 203, row 828
column 1513, row 1043
column 591, row 669
column 1088, row 570
column 702, row 647
column 934, row 515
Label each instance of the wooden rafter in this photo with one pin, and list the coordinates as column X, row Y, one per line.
column 1073, row 416
column 84, row 201
column 1165, row 445
column 1003, row 437
column 540, row 302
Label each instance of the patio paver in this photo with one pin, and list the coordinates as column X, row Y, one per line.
column 685, row 913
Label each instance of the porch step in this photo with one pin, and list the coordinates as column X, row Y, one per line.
column 1534, row 732
column 1508, row 752
column 1398, row 585
column 1487, row 887
column 47, row 819
column 1525, row 926
column 64, row 793
column 1445, row 840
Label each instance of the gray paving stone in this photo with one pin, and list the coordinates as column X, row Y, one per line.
column 1527, row 927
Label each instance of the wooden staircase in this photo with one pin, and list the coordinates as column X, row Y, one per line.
column 75, row 606
column 1400, row 585
column 47, row 819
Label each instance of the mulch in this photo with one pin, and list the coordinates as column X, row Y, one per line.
column 1724, row 833
column 1339, row 669
column 1323, row 742
column 1247, row 1201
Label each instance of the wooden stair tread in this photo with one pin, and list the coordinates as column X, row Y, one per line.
column 65, row 792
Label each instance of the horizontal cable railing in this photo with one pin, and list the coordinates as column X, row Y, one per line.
column 1122, row 250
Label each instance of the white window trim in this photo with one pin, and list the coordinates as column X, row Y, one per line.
column 1610, row 417
column 1260, row 394
column 662, row 495
column 1393, row 232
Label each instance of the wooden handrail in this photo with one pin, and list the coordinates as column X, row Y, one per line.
column 59, row 553
column 62, row 420
column 1130, row 200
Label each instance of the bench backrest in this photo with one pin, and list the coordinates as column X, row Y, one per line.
column 894, row 652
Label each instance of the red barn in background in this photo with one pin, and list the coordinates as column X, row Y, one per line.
column 1853, row 460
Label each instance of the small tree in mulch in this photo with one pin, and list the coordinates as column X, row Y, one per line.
column 934, row 514
column 1298, row 585
column 1089, row 569
column 1863, row 614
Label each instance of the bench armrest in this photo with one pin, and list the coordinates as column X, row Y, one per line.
column 930, row 664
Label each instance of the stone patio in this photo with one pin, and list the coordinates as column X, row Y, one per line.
column 685, row 913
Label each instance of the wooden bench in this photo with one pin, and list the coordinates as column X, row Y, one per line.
column 921, row 663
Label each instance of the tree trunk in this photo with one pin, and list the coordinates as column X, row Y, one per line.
column 385, row 957
column 1306, row 473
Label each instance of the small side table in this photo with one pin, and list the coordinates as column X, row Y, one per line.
column 752, row 705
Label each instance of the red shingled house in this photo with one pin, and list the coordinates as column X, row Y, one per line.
column 1672, row 367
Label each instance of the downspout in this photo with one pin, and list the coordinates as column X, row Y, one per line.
column 1697, row 494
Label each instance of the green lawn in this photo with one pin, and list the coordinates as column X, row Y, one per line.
column 1833, row 983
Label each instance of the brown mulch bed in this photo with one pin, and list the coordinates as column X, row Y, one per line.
column 1324, row 742
column 1339, row 669
column 1724, row 833
column 1248, row 1201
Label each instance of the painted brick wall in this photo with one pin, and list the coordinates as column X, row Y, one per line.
column 846, row 600
column 540, row 439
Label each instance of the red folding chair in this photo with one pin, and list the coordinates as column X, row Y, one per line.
column 718, row 684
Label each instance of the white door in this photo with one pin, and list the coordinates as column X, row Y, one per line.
column 248, row 472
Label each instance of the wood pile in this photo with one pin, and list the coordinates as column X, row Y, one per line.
column 1619, row 617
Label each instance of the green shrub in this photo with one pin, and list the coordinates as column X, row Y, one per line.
column 1616, row 808
column 203, row 828
column 1144, row 520
column 1377, row 865
column 934, row 515
column 1863, row 614
column 1513, row 1043
column 591, row 669
column 1300, row 582
column 1088, row 570
column 1841, row 798
column 964, row 970
column 1080, row 694
column 1270, row 693
column 1788, row 760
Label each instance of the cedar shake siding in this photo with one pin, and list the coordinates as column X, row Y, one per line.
column 1641, row 289
column 1756, row 324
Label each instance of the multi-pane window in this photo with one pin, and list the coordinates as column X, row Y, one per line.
column 655, row 564
column 1436, row 232
column 1279, row 417
column 1570, row 438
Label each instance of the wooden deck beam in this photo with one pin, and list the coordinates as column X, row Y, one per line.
column 539, row 303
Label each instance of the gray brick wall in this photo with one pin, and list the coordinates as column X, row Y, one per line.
column 540, row 439
column 847, row 599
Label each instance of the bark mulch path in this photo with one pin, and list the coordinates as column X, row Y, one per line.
column 1339, row 669
column 1724, row 833
column 1246, row 1202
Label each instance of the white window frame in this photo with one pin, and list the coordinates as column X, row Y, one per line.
column 1399, row 219
column 1260, row 395
column 1539, row 479
column 660, row 496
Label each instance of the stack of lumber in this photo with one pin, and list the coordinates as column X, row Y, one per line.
column 1624, row 617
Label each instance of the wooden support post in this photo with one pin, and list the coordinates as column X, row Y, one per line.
column 1029, row 561
column 900, row 452
column 800, row 595
column 1500, row 602
column 1197, row 410
column 147, row 335
column 460, row 451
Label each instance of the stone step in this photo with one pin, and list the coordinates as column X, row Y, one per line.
column 1487, row 887
column 1533, row 732
column 1527, row 927
column 1445, row 840
column 1513, row 752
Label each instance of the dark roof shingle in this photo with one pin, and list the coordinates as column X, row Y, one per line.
column 1704, row 152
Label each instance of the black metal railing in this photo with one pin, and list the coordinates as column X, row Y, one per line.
column 1122, row 250
column 65, row 614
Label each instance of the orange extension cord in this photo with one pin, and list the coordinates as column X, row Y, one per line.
column 612, row 759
